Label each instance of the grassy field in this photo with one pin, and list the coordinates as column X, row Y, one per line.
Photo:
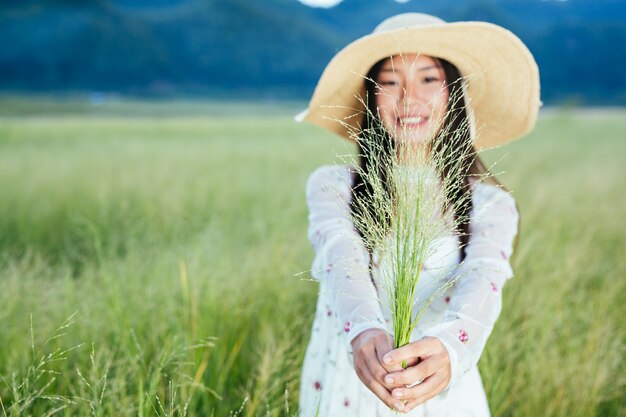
column 149, row 261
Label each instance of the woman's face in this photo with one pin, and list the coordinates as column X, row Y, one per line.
column 412, row 97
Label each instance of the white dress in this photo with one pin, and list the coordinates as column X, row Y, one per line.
column 348, row 301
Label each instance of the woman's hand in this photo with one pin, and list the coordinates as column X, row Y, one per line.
column 433, row 370
column 368, row 349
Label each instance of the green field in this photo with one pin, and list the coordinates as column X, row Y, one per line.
column 149, row 261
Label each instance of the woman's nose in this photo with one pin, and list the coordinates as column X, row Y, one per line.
column 412, row 93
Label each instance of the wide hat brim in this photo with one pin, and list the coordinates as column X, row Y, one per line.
column 502, row 92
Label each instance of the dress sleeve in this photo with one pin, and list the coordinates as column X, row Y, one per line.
column 341, row 262
column 476, row 301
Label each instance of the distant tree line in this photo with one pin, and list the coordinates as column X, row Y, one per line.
column 278, row 48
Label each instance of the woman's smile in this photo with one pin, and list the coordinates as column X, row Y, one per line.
column 412, row 122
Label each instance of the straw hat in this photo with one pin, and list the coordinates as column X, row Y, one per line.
column 500, row 76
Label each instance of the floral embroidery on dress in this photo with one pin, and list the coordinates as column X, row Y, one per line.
column 493, row 287
column 346, row 403
column 503, row 254
column 447, row 299
column 346, row 328
column 329, row 267
column 317, row 385
column 463, row 336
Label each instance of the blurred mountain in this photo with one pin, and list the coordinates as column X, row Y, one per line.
column 278, row 48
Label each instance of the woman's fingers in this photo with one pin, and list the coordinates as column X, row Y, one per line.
column 379, row 390
column 415, row 402
column 420, row 393
column 377, row 369
column 368, row 366
column 397, row 367
column 408, row 376
column 382, row 348
column 383, row 344
column 413, row 350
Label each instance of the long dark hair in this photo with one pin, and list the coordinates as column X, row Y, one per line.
column 453, row 134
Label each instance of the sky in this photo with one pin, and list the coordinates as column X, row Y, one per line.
column 330, row 3
column 320, row 3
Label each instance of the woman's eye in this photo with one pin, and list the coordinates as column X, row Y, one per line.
column 387, row 83
column 430, row 79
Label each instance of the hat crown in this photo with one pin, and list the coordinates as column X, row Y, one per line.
column 407, row 20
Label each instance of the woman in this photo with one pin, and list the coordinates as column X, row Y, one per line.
column 415, row 66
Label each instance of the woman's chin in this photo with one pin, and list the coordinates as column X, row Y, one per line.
column 413, row 137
